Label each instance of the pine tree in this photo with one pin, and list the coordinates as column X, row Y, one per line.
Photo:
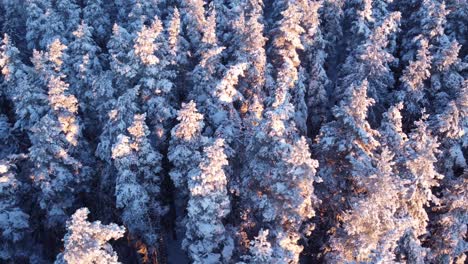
column 249, row 48
column 95, row 15
column 83, row 66
column 370, row 60
column 30, row 101
column 43, row 24
column 206, row 240
column 138, row 183
column 119, row 117
column 419, row 169
column 15, row 22
column 185, row 152
column 412, row 79
column 346, row 147
column 58, row 151
column 276, row 187
column 448, row 233
column 155, row 79
column 14, row 222
column 69, row 13
column 87, row 242
column 372, row 227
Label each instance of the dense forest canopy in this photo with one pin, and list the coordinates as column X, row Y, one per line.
column 242, row 131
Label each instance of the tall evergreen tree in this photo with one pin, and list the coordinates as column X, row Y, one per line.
column 87, row 242
column 43, row 24
column 370, row 60
column 206, row 240
column 185, row 153
column 97, row 17
column 83, row 66
column 14, row 222
column 58, row 150
column 138, row 183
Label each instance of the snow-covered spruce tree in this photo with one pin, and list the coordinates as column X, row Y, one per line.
column 14, row 222
column 214, row 88
column 119, row 45
column 206, row 240
column 250, row 48
column 87, row 242
column 95, row 15
column 413, row 81
column 58, row 151
column 299, row 99
column 391, row 132
column 11, row 67
column 8, row 142
column 448, row 244
column 341, row 142
column 43, row 24
column 138, row 184
column 14, row 23
column 370, row 60
column 82, row 66
column 457, row 20
column 426, row 18
column 176, row 42
column 69, row 13
column 428, row 24
column 48, row 64
column 357, row 24
column 314, row 76
column 372, row 227
column 185, row 153
column 286, row 42
column 155, row 79
column 209, row 66
column 142, row 13
column 420, row 170
column 331, row 16
column 277, row 182
column 194, row 22
column 120, row 11
column 30, row 101
column 119, row 118
column 451, row 125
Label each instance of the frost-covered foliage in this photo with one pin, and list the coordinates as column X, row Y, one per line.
column 138, row 182
column 276, row 183
column 206, row 240
column 83, row 64
column 14, row 222
column 59, row 155
column 95, row 15
column 347, row 145
column 245, row 131
column 87, row 242
column 373, row 226
column 185, row 145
